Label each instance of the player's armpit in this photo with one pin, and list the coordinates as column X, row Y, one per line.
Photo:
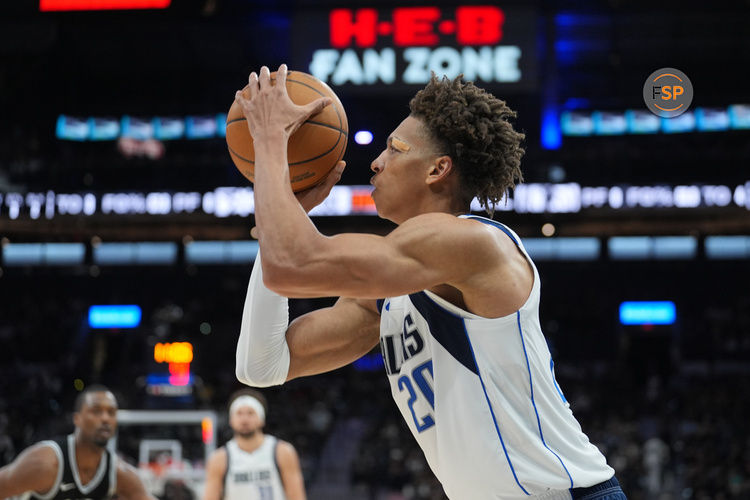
column 216, row 467
column 129, row 485
column 425, row 251
column 35, row 469
column 329, row 338
column 291, row 472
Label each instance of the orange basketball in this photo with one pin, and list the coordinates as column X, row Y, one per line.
column 314, row 149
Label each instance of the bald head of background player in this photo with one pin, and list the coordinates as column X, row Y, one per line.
column 94, row 417
column 78, row 465
column 253, row 465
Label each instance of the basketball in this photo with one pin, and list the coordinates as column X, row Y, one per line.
column 314, row 149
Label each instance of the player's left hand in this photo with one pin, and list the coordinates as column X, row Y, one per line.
column 269, row 112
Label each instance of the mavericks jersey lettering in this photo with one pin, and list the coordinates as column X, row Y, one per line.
column 254, row 475
column 68, row 484
column 481, row 399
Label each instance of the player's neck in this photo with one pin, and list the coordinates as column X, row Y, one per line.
column 250, row 443
column 88, row 455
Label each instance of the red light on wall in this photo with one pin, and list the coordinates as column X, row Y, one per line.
column 416, row 26
column 173, row 352
column 207, row 428
column 179, row 373
column 67, row 5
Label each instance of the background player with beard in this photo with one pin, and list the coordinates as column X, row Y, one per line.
column 253, row 465
column 78, row 465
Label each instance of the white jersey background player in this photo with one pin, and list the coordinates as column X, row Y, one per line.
column 253, row 465
column 467, row 361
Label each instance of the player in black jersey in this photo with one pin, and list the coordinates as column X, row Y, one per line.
column 77, row 466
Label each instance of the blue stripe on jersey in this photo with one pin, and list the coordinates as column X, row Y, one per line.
column 531, row 388
column 492, row 412
column 443, row 326
column 494, row 223
column 380, row 302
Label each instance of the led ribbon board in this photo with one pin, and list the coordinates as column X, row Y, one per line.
column 393, row 48
column 71, row 5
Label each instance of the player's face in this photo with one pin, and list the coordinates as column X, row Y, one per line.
column 97, row 420
column 245, row 421
column 401, row 170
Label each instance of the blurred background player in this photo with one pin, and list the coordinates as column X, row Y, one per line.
column 253, row 465
column 77, row 465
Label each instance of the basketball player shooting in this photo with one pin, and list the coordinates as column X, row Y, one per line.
column 253, row 465
column 77, row 466
column 452, row 298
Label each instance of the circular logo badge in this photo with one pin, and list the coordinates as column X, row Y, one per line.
column 668, row 92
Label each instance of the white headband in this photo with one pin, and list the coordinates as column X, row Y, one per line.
column 246, row 400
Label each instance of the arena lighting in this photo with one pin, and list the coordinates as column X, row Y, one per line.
column 648, row 313
column 178, row 355
column 207, row 430
column 115, row 316
column 363, row 137
column 551, row 132
column 640, row 121
column 70, row 5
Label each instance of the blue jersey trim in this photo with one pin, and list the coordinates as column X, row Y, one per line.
column 492, row 412
column 443, row 326
column 533, row 403
column 380, row 302
column 494, row 223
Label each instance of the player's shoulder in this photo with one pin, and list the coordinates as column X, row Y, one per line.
column 442, row 224
column 218, row 457
column 285, row 451
column 43, row 457
column 125, row 470
column 452, row 232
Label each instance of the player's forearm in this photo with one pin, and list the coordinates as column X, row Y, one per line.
column 287, row 235
column 262, row 352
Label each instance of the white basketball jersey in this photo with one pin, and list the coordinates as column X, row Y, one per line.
column 253, row 476
column 481, row 399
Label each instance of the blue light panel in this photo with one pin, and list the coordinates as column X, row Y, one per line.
column 648, row 313
column 551, row 132
column 120, row 316
column 43, row 254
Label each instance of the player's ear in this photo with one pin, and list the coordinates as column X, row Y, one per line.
column 439, row 169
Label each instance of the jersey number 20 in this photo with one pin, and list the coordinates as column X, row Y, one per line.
column 425, row 387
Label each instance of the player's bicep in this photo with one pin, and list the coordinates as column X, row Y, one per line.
column 423, row 252
column 329, row 338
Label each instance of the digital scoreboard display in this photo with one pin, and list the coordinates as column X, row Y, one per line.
column 399, row 47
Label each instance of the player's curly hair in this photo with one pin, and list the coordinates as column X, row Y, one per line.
column 472, row 127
